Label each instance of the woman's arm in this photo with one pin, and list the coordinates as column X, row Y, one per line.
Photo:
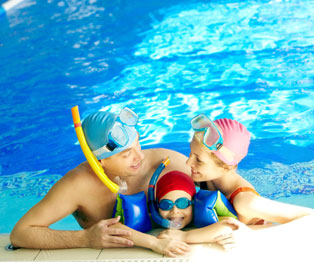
column 299, row 231
column 168, row 247
column 250, row 206
column 293, row 237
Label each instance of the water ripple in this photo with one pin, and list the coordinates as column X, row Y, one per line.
column 35, row 184
column 277, row 180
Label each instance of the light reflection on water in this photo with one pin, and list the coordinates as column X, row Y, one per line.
column 251, row 61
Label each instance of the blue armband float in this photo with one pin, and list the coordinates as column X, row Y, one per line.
column 133, row 211
column 210, row 206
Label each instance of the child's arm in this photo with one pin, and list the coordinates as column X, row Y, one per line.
column 168, row 247
column 205, row 234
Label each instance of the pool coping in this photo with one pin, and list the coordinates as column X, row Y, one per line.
column 292, row 250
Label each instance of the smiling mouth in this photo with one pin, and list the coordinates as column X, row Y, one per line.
column 177, row 219
column 194, row 173
column 136, row 166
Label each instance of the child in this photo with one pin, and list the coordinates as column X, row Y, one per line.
column 174, row 193
column 216, row 149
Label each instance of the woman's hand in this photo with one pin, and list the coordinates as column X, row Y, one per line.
column 231, row 238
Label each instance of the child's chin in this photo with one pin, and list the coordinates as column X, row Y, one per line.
column 182, row 226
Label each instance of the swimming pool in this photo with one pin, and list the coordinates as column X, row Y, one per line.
column 250, row 61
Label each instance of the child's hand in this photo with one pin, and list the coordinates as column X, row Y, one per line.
column 171, row 247
column 172, row 234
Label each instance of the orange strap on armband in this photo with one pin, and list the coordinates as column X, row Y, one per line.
column 239, row 190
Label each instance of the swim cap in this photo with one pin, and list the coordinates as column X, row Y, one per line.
column 174, row 180
column 235, row 137
column 96, row 129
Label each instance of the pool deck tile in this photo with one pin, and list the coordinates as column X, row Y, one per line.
column 293, row 249
column 68, row 254
column 128, row 253
column 109, row 254
column 16, row 255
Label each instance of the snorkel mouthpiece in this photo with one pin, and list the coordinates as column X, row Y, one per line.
column 122, row 184
column 175, row 224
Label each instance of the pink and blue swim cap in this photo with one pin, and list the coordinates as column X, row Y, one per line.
column 98, row 128
column 235, row 137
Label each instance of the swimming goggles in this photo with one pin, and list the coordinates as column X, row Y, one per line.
column 212, row 137
column 182, row 203
column 118, row 135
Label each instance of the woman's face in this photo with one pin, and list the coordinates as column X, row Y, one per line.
column 203, row 166
column 182, row 216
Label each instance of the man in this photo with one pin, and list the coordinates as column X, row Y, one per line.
column 115, row 142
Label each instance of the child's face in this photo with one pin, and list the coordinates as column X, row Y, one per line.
column 184, row 216
column 203, row 166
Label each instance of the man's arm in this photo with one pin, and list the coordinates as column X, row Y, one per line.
column 63, row 199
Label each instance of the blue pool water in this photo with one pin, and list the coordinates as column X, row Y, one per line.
column 167, row 60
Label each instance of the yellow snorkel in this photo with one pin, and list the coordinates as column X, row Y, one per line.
column 92, row 160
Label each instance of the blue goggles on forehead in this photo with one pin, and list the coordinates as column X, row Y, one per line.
column 182, row 203
column 212, row 136
column 118, row 136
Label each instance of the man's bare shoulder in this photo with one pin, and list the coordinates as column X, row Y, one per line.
column 80, row 177
column 177, row 160
column 164, row 152
column 79, row 183
column 82, row 170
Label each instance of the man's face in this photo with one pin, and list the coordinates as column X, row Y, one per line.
column 125, row 163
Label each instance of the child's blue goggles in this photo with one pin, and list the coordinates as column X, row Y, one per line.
column 182, row 203
column 212, row 137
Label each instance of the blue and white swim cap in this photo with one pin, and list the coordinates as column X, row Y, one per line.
column 97, row 128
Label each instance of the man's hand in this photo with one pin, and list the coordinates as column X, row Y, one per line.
column 101, row 235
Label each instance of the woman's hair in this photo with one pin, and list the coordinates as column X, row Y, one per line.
column 198, row 136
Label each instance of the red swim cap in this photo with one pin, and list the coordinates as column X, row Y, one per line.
column 174, row 180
